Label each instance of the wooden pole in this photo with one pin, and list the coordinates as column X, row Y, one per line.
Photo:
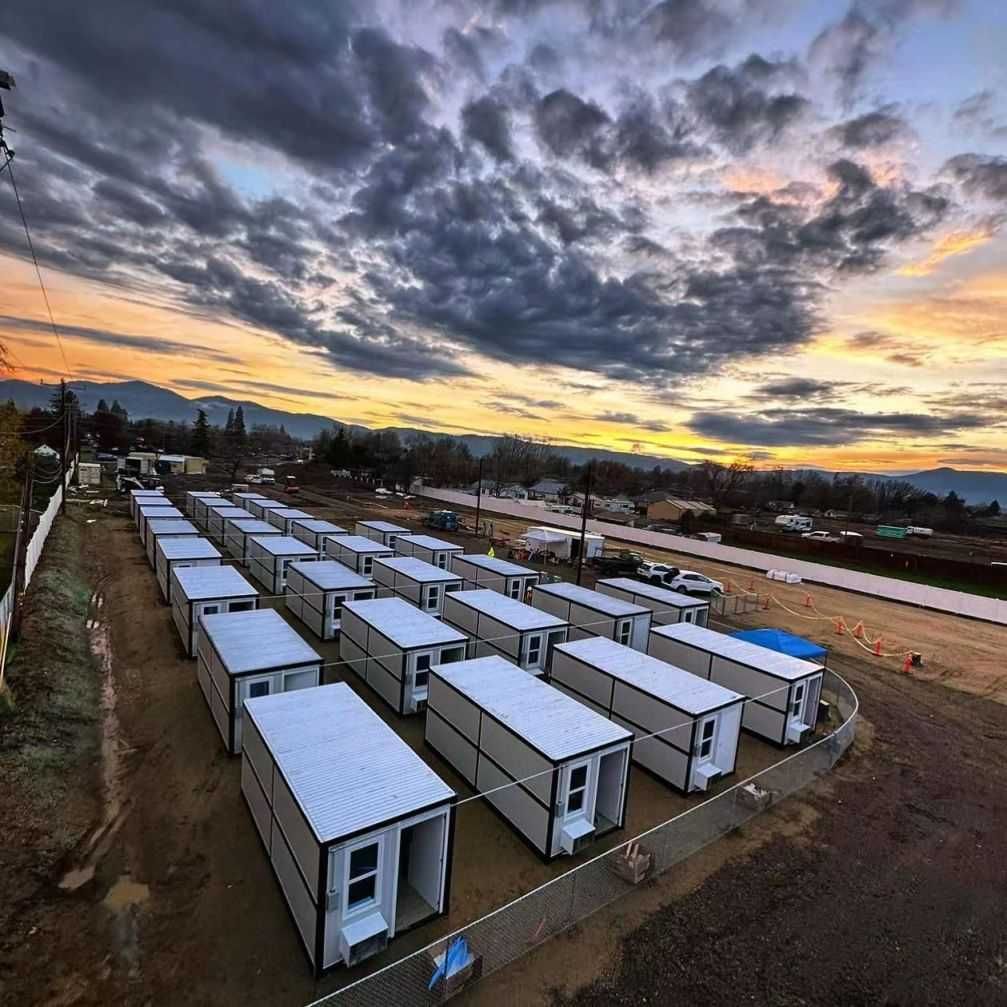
column 64, row 440
column 583, row 520
column 479, row 494
column 21, row 549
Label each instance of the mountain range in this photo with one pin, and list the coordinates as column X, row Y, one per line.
column 142, row 400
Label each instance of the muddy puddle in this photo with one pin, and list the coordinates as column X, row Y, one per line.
column 113, row 749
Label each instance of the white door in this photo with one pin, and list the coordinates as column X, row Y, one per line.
column 578, row 792
column 533, row 651
column 797, row 704
column 707, row 741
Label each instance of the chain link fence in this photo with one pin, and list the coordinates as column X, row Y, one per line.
column 495, row 940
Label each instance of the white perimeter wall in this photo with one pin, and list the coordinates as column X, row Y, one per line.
column 939, row 598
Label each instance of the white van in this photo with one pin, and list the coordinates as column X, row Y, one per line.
column 794, row 522
column 919, row 532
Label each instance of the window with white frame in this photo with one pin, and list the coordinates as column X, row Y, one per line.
column 707, row 734
column 442, row 560
column 625, row 631
column 367, row 564
column 257, row 689
column 240, row 606
column 534, row 653
column 362, row 876
column 797, row 706
column 576, row 799
column 515, row 589
column 422, row 675
column 433, row 595
column 210, row 609
column 452, row 654
column 337, row 603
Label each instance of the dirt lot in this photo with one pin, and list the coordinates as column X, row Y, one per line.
column 890, row 863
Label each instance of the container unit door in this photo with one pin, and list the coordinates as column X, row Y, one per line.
column 417, row 687
column 704, row 768
column 357, row 923
column 575, row 820
column 248, row 688
column 533, row 653
column 798, row 722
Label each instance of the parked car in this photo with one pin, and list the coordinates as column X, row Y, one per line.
column 820, row 536
column 690, row 582
column 850, row 535
column 656, row 573
column 613, row 564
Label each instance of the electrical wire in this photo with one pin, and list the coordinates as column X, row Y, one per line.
column 38, row 270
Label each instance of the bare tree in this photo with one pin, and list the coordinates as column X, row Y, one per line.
column 721, row 481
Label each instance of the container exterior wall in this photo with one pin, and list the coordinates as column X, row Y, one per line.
column 586, row 682
column 213, row 682
column 180, row 616
column 516, row 758
column 296, row 893
column 517, row 806
column 679, row 654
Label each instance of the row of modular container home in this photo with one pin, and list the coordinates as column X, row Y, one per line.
column 542, row 706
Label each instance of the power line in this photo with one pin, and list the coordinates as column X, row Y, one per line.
column 34, row 259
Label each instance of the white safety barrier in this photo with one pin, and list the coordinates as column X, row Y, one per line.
column 973, row 606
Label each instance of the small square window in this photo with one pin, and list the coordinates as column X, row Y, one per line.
column 368, row 564
column 211, row 609
column 422, row 679
column 363, row 860
column 578, row 777
column 422, row 662
column 257, row 689
column 361, row 891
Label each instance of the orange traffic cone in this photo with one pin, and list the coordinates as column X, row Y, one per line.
column 907, row 663
column 858, row 630
column 765, row 603
column 807, row 601
column 877, row 647
column 840, row 626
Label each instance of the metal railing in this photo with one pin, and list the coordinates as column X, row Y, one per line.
column 513, row 930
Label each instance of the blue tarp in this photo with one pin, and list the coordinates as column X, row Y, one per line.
column 784, row 643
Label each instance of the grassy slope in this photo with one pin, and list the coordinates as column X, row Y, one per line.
column 49, row 737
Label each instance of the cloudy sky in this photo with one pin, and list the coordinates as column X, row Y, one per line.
column 700, row 228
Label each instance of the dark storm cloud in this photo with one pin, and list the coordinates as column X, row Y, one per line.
column 980, row 174
column 487, row 121
column 632, row 420
column 150, row 344
column 851, row 232
column 798, row 388
column 736, row 105
column 873, row 129
column 977, row 114
column 828, row 426
column 568, row 125
column 529, row 400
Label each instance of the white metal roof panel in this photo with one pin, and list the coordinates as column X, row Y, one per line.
column 149, row 513
column 146, row 493
column 358, row 543
column 284, row 545
column 260, row 638
column 551, row 721
column 657, row 678
column 201, row 494
column 187, row 547
column 345, row 767
column 171, row 526
column 268, row 504
column 199, row 583
column 383, row 526
column 664, row 595
column 249, row 496
column 157, row 504
column 228, row 511
column 253, row 525
column 509, row 611
column 291, row 512
column 417, row 569
column 319, row 527
column 491, row 564
column 330, row 575
column 566, row 532
column 221, row 503
column 605, row 603
column 430, row 543
column 732, row 649
column 404, row 624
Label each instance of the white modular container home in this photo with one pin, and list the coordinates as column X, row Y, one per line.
column 556, row 770
column 668, row 607
column 152, row 512
column 315, row 593
column 283, row 517
column 137, row 497
column 431, row 550
column 782, row 691
column 216, row 517
column 391, row 645
column 685, row 728
column 206, row 589
column 270, row 555
column 415, row 581
column 244, row 655
column 356, row 552
column 496, row 624
column 261, row 508
column 201, row 507
column 238, row 532
column 171, row 527
column 591, row 613
column 380, row 531
column 191, row 496
column 244, row 498
column 358, row 829
column 500, row 575
column 176, row 553
column 313, row 531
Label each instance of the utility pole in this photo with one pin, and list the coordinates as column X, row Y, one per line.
column 583, row 520
column 21, row 545
column 479, row 495
column 64, row 440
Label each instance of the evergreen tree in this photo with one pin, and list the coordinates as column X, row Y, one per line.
column 117, row 410
column 201, row 435
column 102, row 406
column 229, row 425
column 239, row 426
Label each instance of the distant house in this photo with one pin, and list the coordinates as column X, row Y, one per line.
column 548, row 489
column 674, row 510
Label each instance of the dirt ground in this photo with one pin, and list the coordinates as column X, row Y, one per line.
column 891, row 862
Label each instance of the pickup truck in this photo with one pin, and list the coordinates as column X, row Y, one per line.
column 614, row 564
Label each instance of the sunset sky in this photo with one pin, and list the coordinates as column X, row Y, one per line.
column 699, row 228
